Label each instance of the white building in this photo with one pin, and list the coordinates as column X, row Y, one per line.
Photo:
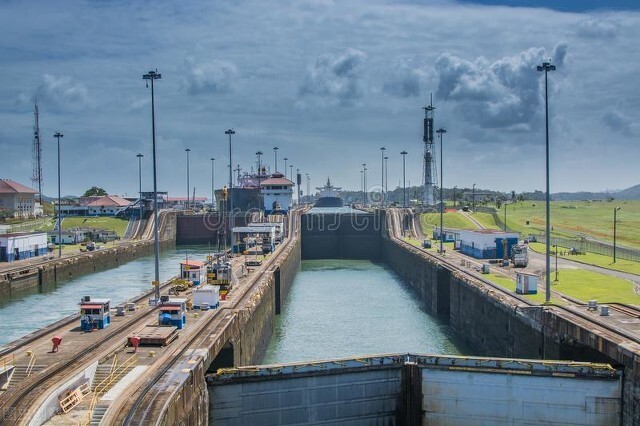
column 109, row 205
column 486, row 243
column 22, row 246
column 16, row 199
column 277, row 192
column 69, row 236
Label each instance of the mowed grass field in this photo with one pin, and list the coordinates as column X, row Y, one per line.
column 578, row 218
column 569, row 219
column 107, row 223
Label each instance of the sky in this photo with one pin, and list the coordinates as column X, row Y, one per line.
column 328, row 82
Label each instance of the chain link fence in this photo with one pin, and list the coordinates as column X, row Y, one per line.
column 583, row 245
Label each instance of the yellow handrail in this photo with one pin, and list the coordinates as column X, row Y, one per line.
column 114, row 376
column 32, row 362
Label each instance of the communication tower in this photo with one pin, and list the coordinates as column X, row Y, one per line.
column 36, row 150
column 429, row 164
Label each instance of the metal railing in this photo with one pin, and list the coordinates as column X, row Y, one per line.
column 116, row 373
column 32, row 362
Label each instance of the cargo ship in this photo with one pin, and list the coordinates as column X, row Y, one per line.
column 329, row 196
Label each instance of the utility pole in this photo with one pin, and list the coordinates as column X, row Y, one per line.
column 59, row 135
column 275, row 154
column 382, row 175
column 187, row 204
column 152, row 76
column 140, row 183
column 546, row 67
column 404, row 182
column 440, row 132
column 213, row 184
column 615, row 228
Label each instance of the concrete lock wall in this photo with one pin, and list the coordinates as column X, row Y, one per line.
column 366, row 397
column 408, row 389
column 341, row 236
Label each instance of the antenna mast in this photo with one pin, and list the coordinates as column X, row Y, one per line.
column 36, row 150
column 429, row 165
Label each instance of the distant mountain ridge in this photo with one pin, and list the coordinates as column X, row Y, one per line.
column 631, row 193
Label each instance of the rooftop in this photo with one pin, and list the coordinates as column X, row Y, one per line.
column 7, row 186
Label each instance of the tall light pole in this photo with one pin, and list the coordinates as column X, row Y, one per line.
column 546, row 67
column 382, row 175
column 299, row 181
column 213, row 184
column 186, row 206
column 362, row 184
column 404, row 182
column 275, row 154
column 615, row 228
column 152, row 76
column 473, row 205
column 285, row 166
column 59, row 135
column 140, row 183
column 440, row 132
column 505, row 216
column 454, row 196
column 386, row 175
column 291, row 167
column 308, row 186
column 230, row 132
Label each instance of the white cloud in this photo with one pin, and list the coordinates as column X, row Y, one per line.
column 618, row 122
column 337, row 77
column 597, row 27
column 216, row 76
column 58, row 93
column 501, row 94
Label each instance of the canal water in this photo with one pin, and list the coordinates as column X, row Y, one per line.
column 348, row 308
column 31, row 310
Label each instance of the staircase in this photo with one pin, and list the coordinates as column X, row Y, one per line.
column 20, row 373
column 103, row 371
column 98, row 414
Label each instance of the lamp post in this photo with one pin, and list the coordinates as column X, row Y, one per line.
column 285, row 166
column 615, row 228
column 404, row 184
column 505, row 216
column 299, row 181
column 308, row 187
column 291, row 168
column 382, row 175
column 230, row 132
column 440, row 132
column 154, row 75
column 556, row 247
column 454, row 196
column 473, row 205
column 386, row 175
column 186, row 206
column 59, row 135
column 140, row 183
column 275, row 154
column 546, row 67
column 213, row 184
column 362, row 184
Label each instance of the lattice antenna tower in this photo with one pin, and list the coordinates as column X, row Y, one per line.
column 429, row 176
column 36, row 151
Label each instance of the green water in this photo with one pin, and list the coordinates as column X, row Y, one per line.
column 348, row 308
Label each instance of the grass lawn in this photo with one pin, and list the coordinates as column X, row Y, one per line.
column 582, row 285
column 101, row 222
column 587, row 285
column 453, row 220
column 486, row 220
column 592, row 259
column 575, row 218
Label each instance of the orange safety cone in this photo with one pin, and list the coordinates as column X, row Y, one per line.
column 56, row 343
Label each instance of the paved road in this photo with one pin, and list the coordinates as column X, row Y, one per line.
column 537, row 265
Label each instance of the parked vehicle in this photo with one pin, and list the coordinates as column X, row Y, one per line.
column 519, row 255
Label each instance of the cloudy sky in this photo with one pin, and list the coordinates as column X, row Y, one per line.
column 328, row 82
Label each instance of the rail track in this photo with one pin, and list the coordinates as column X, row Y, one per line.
column 139, row 410
column 622, row 308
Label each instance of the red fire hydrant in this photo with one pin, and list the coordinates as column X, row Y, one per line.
column 56, row 343
column 135, row 341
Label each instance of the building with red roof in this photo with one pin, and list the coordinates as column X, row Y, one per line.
column 108, row 205
column 16, row 199
column 277, row 192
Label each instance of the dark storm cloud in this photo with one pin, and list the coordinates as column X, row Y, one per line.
column 337, row 77
column 500, row 94
column 213, row 77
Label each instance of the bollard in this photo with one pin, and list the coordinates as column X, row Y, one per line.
column 135, row 341
column 152, row 354
column 56, row 343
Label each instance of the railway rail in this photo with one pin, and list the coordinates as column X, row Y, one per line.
column 138, row 411
column 576, row 311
